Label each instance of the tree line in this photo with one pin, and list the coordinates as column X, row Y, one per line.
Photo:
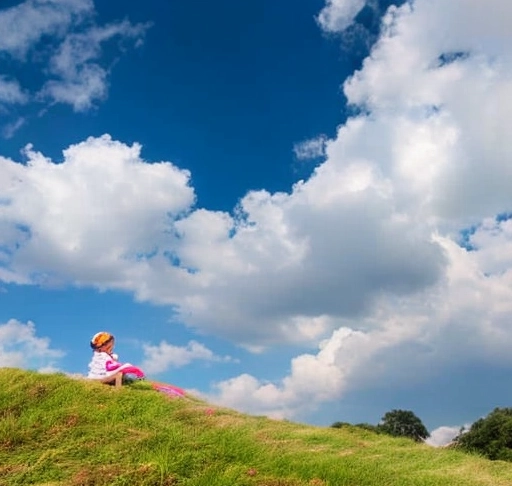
column 490, row 436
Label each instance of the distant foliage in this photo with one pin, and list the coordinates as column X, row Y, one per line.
column 365, row 426
column 339, row 425
column 403, row 423
column 490, row 436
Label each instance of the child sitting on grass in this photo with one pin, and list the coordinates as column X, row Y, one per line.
column 104, row 365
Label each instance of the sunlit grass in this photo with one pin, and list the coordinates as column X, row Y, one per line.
column 57, row 431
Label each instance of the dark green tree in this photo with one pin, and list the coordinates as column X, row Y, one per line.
column 490, row 436
column 403, row 423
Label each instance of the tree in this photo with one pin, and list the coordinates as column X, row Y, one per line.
column 403, row 423
column 490, row 436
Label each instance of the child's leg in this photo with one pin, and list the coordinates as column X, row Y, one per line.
column 116, row 380
column 119, row 380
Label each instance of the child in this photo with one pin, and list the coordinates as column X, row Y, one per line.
column 104, row 365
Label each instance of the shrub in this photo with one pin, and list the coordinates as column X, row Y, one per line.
column 490, row 436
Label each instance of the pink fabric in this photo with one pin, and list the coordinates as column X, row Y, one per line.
column 168, row 389
column 132, row 370
column 126, row 369
column 112, row 365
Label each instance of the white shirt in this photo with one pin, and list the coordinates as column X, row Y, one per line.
column 98, row 365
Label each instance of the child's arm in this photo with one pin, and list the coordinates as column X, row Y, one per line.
column 126, row 368
column 112, row 365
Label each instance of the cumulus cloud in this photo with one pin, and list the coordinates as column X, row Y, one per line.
column 423, row 144
column 164, row 356
column 102, row 206
column 106, row 218
column 402, row 341
column 21, row 348
column 280, row 269
column 313, row 379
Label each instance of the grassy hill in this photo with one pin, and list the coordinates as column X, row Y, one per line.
column 55, row 430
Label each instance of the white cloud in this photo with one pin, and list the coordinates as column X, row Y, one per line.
column 458, row 104
column 23, row 25
column 422, row 146
column 80, row 80
column 164, row 356
column 106, row 218
column 443, row 436
column 21, row 348
column 337, row 15
column 463, row 318
column 311, row 148
column 11, row 92
column 91, row 218
column 80, row 91
column 11, row 128
column 313, row 379
column 71, row 61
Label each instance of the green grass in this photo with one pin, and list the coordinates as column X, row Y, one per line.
column 57, row 431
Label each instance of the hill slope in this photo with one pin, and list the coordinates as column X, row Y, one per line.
column 56, row 431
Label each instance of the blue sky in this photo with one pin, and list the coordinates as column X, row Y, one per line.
column 289, row 208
